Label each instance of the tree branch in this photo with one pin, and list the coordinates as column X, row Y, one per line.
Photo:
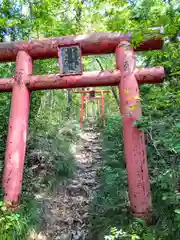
column 113, row 89
column 153, row 144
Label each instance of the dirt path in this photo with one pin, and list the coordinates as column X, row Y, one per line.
column 65, row 216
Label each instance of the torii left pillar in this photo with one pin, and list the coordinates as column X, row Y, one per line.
column 17, row 132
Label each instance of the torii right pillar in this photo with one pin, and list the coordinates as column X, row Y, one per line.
column 134, row 140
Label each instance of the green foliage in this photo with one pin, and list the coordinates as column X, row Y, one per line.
column 119, row 234
column 12, row 225
column 110, row 206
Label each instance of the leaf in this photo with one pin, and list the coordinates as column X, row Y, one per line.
column 177, row 211
column 3, row 208
column 178, row 125
column 134, row 237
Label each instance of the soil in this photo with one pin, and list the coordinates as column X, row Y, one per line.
column 65, row 214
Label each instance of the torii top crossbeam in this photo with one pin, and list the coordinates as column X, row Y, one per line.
column 93, row 43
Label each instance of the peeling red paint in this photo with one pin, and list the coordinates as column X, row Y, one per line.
column 93, row 43
column 92, row 79
column 6, row 84
column 134, row 143
column 149, row 75
column 18, row 124
column 88, row 79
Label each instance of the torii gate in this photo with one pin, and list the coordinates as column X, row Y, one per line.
column 85, row 99
column 126, row 76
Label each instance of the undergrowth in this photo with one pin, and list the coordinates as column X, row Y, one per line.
column 110, row 217
column 50, row 154
column 49, row 160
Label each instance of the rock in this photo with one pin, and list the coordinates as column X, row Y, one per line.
column 85, row 215
column 77, row 190
column 64, row 236
column 89, row 129
column 89, row 182
column 75, row 182
column 87, row 146
column 41, row 237
column 35, row 236
column 94, row 151
column 97, row 147
column 69, row 220
column 78, row 235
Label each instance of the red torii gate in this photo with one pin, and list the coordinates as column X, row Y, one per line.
column 126, row 76
column 85, row 99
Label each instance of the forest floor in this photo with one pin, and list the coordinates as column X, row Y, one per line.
column 66, row 212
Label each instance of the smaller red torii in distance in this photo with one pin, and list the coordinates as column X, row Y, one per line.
column 85, row 99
